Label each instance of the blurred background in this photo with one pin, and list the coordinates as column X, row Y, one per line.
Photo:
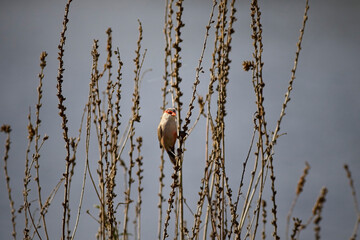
column 321, row 124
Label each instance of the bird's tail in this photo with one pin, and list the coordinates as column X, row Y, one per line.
column 171, row 155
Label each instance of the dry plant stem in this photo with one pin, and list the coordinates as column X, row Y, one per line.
column 27, row 178
column 228, row 199
column 118, row 91
column 299, row 190
column 117, row 122
column 98, row 120
column 250, row 232
column 87, row 143
column 311, row 218
column 111, row 138
column 204, row 192
column 252, row 195
column 261, row 125
column 118, row 98
column 249, row 195
column 204, row 187
column 230, row 202
column 273, row 200
column 176, row 222
column 63, row 116
column 234, row 210
column 161, row 197
column 87, row 109
column 35, row 226
column 356, row 205
column 74, row 142
column 167, row 50
column 258, row 88
column 127, row 132
column 171, row 200
column 264, row 215
column 207, row 173
column 135, row 118
column 91, row 101
column 210, row 212
column 197, row 81
column 36, row 155
column 296, row 229
column 48, row 201
column 108, row 143
column 140, row 189
column 221, row 50
column 317, row 210
column 46, row 206
column 247, row 202
column 269, row 149
column 199, row 69
column 293, row 71
column 248, row 206
column 52, row 194
column 169, row 42
column 176, row 86
column 226, row 68
column 94, row 218
column 6, row 129
column 174, row 81
column 282, row 114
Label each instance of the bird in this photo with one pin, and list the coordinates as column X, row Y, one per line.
column 167, row 132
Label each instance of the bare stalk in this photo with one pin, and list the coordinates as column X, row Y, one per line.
column 140, row 189
column 356, row 204
column 296, row 229
column 293, row 71
column 299, row 190
column 317, row 210
column 176, row 87
column 63, row 116
column 171, row 200
column 164, row 90
column 6, row 129
column 135, row 118
column 36, row 156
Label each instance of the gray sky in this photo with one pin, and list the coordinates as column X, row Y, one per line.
column 321, row 122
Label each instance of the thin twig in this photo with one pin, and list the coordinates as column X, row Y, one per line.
column 299, row 190
column 63, row 116
column 7, row 129
column 356, row 204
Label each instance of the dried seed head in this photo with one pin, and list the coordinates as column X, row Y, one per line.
column 31, row 131
column 320, row 201
column 42, row 59
column 301, row 182
column 5, row 128
column 248, row 65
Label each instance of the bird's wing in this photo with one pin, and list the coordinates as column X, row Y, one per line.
column 160, row 133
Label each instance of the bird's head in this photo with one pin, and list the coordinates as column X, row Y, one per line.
column 170, row 111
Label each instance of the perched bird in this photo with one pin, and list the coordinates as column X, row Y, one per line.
column 167, row 132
